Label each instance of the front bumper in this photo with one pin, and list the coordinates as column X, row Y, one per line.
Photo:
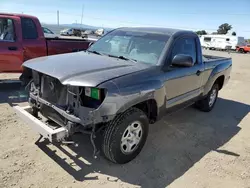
column 38, row 126
column 69, row 117
column 87, row 118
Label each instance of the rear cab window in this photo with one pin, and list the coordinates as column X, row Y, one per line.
column 29, row 29
column 7, row 30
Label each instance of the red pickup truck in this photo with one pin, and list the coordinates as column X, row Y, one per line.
column 22, row 38
column 243, row 49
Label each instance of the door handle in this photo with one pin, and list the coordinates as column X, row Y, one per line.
column 198, row 72
column 12, row 48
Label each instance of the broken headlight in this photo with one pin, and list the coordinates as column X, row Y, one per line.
column 92, row 97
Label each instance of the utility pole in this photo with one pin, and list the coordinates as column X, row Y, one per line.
column 58, row 17
column 82, row 14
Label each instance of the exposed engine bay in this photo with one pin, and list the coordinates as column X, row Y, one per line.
column 71, row 107
column 64, row 103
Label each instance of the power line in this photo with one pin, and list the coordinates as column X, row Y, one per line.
column 207, row 12
column 123, row 21
column 169, row 13
column 137, row 23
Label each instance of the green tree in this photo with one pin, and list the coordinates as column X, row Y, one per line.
column 224, row 28
column 234, row 33
column 201, row 32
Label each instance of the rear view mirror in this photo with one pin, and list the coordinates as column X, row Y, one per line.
column 182, row 60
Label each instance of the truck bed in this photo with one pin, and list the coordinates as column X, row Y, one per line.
column 211, row 58
column 63, row 45
column 217, row 63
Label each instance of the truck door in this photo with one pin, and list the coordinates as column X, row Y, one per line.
column 34, row 43
column 183, row 83
column 11, row 52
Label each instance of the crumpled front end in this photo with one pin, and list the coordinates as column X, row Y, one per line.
column 65, row 104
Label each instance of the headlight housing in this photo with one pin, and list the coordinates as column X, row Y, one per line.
column 92, row 92
column 92, row 97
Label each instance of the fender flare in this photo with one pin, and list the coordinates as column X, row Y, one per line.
column 215, row 74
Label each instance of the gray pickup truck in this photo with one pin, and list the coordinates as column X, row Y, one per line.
column 125, row 81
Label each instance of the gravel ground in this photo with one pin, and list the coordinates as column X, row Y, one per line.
column 187, row 149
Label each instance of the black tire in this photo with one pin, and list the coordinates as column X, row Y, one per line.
column 204, row 104
column 241, row 50
column 111, row 145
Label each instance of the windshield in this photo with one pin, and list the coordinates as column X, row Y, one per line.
column 46, row 30
column 140, row 46
column 65, row 30
column 88, row 32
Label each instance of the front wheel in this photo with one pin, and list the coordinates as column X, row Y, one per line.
column 125, row 136
column 241, row 50
column 207, row 104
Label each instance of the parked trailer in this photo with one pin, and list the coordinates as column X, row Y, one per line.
column 221, row 42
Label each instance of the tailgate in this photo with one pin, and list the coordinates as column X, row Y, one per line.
column 60, row 46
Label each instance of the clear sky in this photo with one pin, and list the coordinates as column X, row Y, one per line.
column 183, row 14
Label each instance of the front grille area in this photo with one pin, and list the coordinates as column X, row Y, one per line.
column 53, row 91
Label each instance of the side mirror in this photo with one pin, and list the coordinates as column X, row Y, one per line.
column 90, row 43
column 182, row 60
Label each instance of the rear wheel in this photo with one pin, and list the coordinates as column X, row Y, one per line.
column 125, row 136
column 207, row 104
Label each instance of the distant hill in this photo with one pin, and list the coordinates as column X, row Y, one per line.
column 56, row 29
column 74, row 25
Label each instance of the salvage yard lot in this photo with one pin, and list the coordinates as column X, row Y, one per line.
column 186, row 149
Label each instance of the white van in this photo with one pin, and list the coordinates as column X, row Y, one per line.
column 221, row 42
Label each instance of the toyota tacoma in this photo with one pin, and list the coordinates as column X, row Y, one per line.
column 128, row 79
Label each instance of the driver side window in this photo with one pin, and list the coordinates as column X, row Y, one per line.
column 7, row 32
column 185, row 46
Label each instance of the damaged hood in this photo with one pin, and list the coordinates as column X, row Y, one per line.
column 83, row 68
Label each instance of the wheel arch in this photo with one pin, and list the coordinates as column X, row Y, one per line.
column 220, row 78
column 219, row 74
column 220, row 81
column 150, row 108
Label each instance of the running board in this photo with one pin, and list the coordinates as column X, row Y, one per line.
column 38, row 126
